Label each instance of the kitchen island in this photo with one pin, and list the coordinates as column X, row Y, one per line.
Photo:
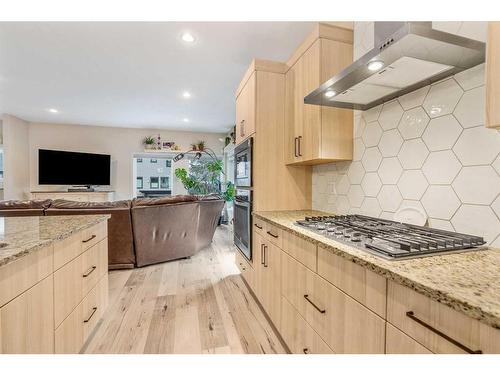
column 339, row 298
column 53, row 281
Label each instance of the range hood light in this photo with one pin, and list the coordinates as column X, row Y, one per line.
column 375, row 65
column 330, row 94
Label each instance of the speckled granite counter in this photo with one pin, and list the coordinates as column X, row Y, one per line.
column 24, row 235
column 468, row 282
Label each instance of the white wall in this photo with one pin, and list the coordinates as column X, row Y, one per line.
column 16, row 158
column 120, row 143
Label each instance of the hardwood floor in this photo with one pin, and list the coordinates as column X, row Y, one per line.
column 196, row 305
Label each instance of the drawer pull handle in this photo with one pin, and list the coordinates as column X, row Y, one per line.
column 265, row 256
column 322, row 311
column 91, row 315
column 258, row 226
column 262, row 260
column 305, row 350
column 89, row 239
column 89, row 271
column 411, row 315
column 272, row 234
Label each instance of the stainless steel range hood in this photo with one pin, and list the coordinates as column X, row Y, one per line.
column 407, row 56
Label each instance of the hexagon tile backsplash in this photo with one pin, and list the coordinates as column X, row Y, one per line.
column 428, row 149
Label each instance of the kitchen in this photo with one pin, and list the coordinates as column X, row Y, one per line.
column 387, row 157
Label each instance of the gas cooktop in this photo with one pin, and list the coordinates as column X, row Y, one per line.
column 389, row 239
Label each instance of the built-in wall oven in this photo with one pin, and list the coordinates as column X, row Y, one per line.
column 243, row 197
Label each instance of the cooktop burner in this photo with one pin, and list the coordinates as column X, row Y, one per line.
column 390, row 239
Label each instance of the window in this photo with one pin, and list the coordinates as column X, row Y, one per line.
column 139, row 160
column 164, row 182
column 168, row 163
column 153, row 161
column 139, row 183
column 153, row 182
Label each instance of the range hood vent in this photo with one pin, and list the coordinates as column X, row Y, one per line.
column 406, row 57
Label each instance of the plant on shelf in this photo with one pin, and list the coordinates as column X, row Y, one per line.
column 149, row 142
column 200, row 145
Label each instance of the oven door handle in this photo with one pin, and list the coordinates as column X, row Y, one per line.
column 242, row 204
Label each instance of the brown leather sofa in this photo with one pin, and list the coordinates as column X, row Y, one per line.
column 172, row 228
column 120, row 240
column 143, row 231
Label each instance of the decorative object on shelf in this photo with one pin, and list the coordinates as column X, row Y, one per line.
column 200, row 145
column 158, row 142
column 194, row 147
column 149, row 142
column 227, row 141
column 233, row 134
column 176, row 148
column 168, row 146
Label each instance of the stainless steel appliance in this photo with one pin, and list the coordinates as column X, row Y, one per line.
column 389, row 239
column 405, row 57
column 243, row 164
column 243, row 221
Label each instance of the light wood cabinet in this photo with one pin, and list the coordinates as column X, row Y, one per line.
column 246, row 269
column 303, row 251
column 27, row 322
column 299, row 336
column 245, row 110
column 436, row 326
column 493, row 76
column 343, row 323
column 399, row 343
column 364, row 286
column 317, row 134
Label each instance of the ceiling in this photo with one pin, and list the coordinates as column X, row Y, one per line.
column 133, row 74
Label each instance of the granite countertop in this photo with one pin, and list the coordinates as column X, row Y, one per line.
column 468, row 282
column 24, row 235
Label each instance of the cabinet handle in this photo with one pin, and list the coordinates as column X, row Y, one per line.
column 91, row 315
column 322, row 311
column 272, row 234
column 89, row 271
column 89, row 239
column 411, row 315
column 265, row 256
column 300, row 148
column 262, row 253
column 258, row 226
column 305, row 350
column 295, row 146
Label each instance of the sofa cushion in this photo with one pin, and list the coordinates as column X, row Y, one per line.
column 36, row 204
column 65, row 204
column 143, row 202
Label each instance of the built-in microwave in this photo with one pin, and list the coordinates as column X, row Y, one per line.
column 243, row 164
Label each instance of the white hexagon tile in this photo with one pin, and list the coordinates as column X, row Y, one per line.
column 427, row 149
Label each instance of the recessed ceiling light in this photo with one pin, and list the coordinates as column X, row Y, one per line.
column 186, row 95
column 188, row 38
column 330, row 93
column 53, row 110
column 375, row 65
column 185, row 119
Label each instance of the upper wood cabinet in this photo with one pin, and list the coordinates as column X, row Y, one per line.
column 493, row 76
column 245, row 110
column 316, row 134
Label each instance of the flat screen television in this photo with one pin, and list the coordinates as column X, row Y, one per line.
column 73, row 168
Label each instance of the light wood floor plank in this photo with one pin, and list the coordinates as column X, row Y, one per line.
column 196, row 305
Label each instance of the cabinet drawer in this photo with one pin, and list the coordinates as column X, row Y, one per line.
column 396, row 342
column 246, row 270
column 363, row 285
column 68, row 289
column 259, row 226
column 344, row 324
column 94, row 265
column 436, row 326
column 303, row 251
column 274, row 235
column 77, row 327
column 298, row 335
column 93, row 235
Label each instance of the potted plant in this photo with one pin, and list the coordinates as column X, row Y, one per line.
column 200, row 145
column 149, row 143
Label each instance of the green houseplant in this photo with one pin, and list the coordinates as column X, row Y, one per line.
column 149, row 142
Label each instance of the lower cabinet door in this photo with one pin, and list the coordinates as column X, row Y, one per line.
column 27, row 322
column 399, row 343
column 298, row 335
column 271, row 282
column 69, row 335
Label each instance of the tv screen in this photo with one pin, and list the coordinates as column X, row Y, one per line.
column 73, row 168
